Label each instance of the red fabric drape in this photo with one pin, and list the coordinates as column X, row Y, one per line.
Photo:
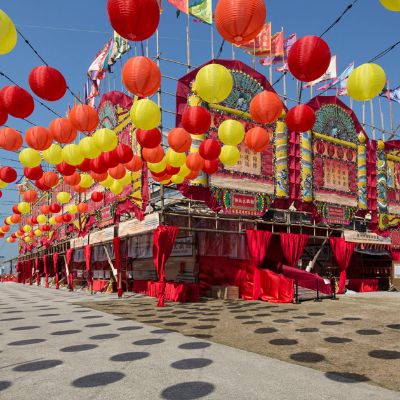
column 87, row 252
column 292, row 247
column 37, row 271
column 258, row 242
column 395, row 255
column 163, row 241
column 68, row 259
column 275, row 288
column 55, row 260
column 342, row 252
column 116, row 243
column 45, row 271
column 30, row 269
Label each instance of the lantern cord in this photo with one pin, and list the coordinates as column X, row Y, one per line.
column 36, row 99
column 220, row 49
column 348, row 8
column 384, row 52
column 44, row 62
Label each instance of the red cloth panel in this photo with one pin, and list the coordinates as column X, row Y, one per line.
column 272, row 287
column 99, row 284
column 342, row 252
column 363, row 285
column 293, row 246
column 87, row 252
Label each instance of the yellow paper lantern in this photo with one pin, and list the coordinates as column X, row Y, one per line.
column 72, row 154
column 24, row 207
column 63, row 197
column 105, row 139
column 145, row 114
column 9, row 222
column 157, row 167
column 116, row 187
column 231, row 132
column 177, row 179
column 175, row 159
column 391, row 5
column 53, row 155
column 184, row 171
column 3, row 184
column 126, row 180
column 86, row 181
column 72, row 209
column 38, row 232
column 9, row 240
column 213, row 83
column 107, row 182
column 26, row 228
column 230, row 155
column 8, row 33
column 77, row 224
column 52, row 220
column 41, row 219
column 27, row 239
column 29, row 158
column 166, row 182
column 366, row 82
column 88, row 148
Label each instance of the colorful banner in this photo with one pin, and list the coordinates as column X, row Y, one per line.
column 181, row 5
column 277, row 54
column 307, row 191
column 202, row 10
column 391, row 94
column 340, row 83
column 261, row 46
column 281, row 161
column 329, row 75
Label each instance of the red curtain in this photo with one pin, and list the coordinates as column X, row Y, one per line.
column 293, row 246
column 117, row 242
column 275, row 288
column 68, row 259
column 87, row 250
column 163, row 241
column 55, row 260
column 45, row 271
column 342, row 252
column 395, row 255
column 37, row 271
column 258, row 242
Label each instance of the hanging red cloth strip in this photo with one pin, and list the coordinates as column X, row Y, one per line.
column 45, row 271
column 116, row 243
column 55, row 261
column 87, row 252
column 23, row 272
column 395, row 254
column 37, row 271
column 68, row 259
column 342, row 252
column 30, row 269
column 292, row 247
column 258, row 242
column 163, row 241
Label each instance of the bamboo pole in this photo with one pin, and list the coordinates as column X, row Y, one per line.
column 371, row 107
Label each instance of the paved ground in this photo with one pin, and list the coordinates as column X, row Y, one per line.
column 53, row 349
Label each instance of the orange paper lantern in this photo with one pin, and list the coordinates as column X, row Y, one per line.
column 266, row 107
column 10, row 139
column 153, row 155
column 38, row 137
column 84, row 118
column 62, row 130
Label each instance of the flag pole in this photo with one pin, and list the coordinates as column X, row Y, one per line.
column 233, row 52
column 382, row 121
column 371, row 107
column 212, row 40
column 188, row 37
column 284, row 72
column 270, row 73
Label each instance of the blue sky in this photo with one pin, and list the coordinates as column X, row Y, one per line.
column 68, row 34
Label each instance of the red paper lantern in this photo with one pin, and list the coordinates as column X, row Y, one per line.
column 84, row 118
column 55, row 208
column 149, row 139
column 135, row 164
column 8, row 174
column 41, row 185
column 38, row 137
column 98, row 165
column 97, row 197
column 45, row 209
column 179, row 140
column 30, row 196
column 300, row 118
column 15, row 209
column 62, row 130
column 99, row 177
column 10, row 139
column 109, row 159
column 309, row 58
column 192, row 175
column 141, row 76
column 59, row 219
column 239, row 21
column 3, row 116
column 210, row 167
column 257, row 139
column 153, row 155
column 33, row 221
column 17, row 101
column 196, row 120
column 50, row 179
column 67, row 218
column 170, row 170
column 134, row 20
column 45, row 228
column 85, row 165
column 48, row 83
column 195, row 162
column 82, row 207
column 5, row 228
column 266, row 107
column 123, row 153
column 65, row 169
column 73, row 179
column 15, row 218
column 34, row 173
column 210, row 149
column 117, row 172
column 79, row 189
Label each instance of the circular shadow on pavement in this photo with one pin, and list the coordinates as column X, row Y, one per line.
column 307, row 330
column 307, row 357
column 78, row 347
column 161, row 331
column 194, row 345
column 129, row 328
column 4, row 385
column 24, row 328
column 385, row 354
column 368, row 332
column 67, row 332
column 132, row 356
column 337, row 340
column 148, row 342
column 395, row 326
column 192, row 363
column 96, row 325
column 60, row 321
column 37, row 366
column 99, row 379
column 346, row 377
column 26, row 342
column 283, row 342
column 265, row 330
column 187, row 391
